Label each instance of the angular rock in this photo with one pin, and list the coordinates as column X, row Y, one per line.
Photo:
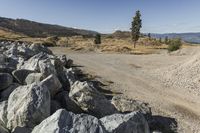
column 64, row 81
column 28, row 106
column 67, row 63
column 34, row 77
column 70, row 75
column 5, row 68
column 90, row 100
column 3, row 130
column 33, row 62
column 52, row 83
column 7, row 64
column 24, row 51
column 21, row 130
column 66, row 122
column 3, row 113
column 67, row 103
column 47, row 68
column 125, row 105
column 55, row 106
column 37, row 48
column 6, row 93
column 21, row 74
column 5, row 80
column 57, row 65
column 126, row 123
column 12, row 50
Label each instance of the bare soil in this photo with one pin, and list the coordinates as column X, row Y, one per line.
column 134, row 76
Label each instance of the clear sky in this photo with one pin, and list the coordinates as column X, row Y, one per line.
column 159, row 16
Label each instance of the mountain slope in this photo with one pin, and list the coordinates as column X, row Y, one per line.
column 35, row 29
column 187, row 37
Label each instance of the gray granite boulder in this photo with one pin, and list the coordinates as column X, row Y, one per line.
column 126, row 123
column 67, row 103
column 28, row 106
column 66, row 122
column 6, row 93
column 52, row 83
column 90, row 100
column 124, row 104
column 5, row 80
column 21, row 74
column 34, row 77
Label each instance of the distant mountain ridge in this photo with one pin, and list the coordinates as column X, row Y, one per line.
column 36, row 29
column 187, row 37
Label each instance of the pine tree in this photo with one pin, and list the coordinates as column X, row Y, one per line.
column 136, row 26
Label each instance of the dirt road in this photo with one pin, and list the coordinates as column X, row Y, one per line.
column 132, row 75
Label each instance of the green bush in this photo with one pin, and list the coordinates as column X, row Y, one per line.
column 174, row 44
column 97, row 39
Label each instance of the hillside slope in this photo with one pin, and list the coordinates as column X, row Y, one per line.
column 35, row 29
column 187, row 37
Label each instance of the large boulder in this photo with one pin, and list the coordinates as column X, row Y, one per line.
column 37, row 48
column 67, row 78
column 47, row 68
column 21, row 74
column 70, row 75
column 24, row 51
column 3, row 130
column 125, row 105
column 67, row 63
column 34, row 77
column 5, row 80
column 66, row 122
column 33, row 62
column 67, row 103
column 6, row 93
column 90, row 100
column 28, row 106
column 3, row 113
column 52, row 83
column 3, row 117
column 55, row 106
column 126, row 123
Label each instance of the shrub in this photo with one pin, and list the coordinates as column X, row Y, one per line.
column 174, row 44
column 97, row 39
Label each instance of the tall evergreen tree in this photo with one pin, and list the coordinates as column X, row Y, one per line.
column 136, row 26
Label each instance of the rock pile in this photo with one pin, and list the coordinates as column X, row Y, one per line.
column 40, row 93
column 182, row 75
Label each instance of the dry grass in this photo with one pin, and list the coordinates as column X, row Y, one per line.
column 9, row 35
column 111, row 45
column 79, row 43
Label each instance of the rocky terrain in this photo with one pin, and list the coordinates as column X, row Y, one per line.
column 42, row 93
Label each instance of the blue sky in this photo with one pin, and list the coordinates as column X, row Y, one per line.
column 159, row 16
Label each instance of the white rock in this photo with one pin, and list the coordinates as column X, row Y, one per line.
column 90, row 100
column 28, row 106
column 52, row 83
column 3, row 113
column 126, row 123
